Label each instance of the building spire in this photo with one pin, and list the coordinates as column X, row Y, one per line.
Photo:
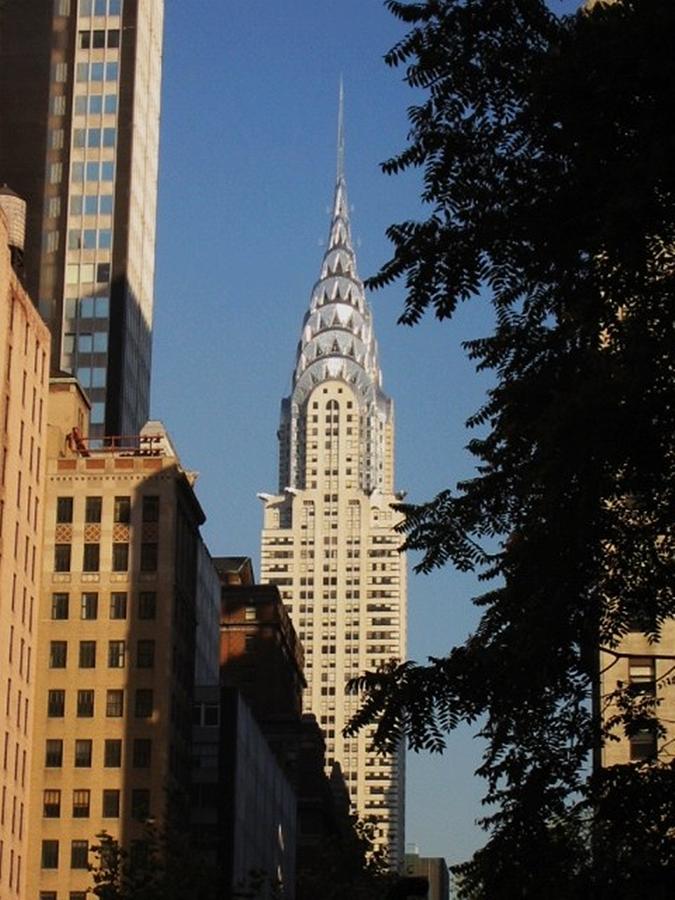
column 341, row 133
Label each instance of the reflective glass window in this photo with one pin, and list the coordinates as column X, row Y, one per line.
column 95, row 103
column 97, row 72
column 106, row 204
column 111, row 70
column 76, row 205
column 92, row 171
column 105, row 239
column 89, row 238
column 100, row 341
column 110, row 103
column 80, row 104
column 94, row 137
column 87, row 307
column 90, row 204
column 107, row 170
column 77, row 171
column 108, row 137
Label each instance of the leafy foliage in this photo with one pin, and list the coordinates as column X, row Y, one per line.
column 546, row 145
column 159, row 866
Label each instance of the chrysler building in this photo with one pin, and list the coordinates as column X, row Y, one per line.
column 328, row 539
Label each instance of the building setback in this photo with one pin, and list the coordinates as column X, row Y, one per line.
column 329, row 539
column 79, row 140
column 115, row 666
column 24, row 371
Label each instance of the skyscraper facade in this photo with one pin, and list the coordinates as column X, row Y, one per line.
column 79, row 140
column 329, row 539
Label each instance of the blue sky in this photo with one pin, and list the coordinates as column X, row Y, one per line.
column 247, row 168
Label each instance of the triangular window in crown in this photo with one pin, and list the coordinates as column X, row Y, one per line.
column 336, row 347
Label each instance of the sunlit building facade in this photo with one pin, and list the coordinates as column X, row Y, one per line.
column 24, row 372
column 329, row 539
column 80, row 95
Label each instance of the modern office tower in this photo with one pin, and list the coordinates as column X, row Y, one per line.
column 328, row 539
column 79, row 139
column 114, row 671
column 24, row 372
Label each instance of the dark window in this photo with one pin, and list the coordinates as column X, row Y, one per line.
column 211, row 715
column 113, row 37
column 64, row 509
column 81, row 804
column 102, row 272
column 142, row 753
column 85, row 40
column 151, row 509
column 77, row 895
column 87, row 654
column 145, row 654
column 114, row 705
column 85, row 704
column 118, row 605
column 148, row 557
column 56, row 704
column 59, row 606
column 112, row 753
column 62, row 557
column 147, row 605
column 51, row 804
column 111, row 804
column 54, row 753
column 120, row 557
column 89, row 606
column 144, row 703
column 82, row 754
column 643, row 744
column 58, row 654
column 50, row 854
column 122, row 510
column 79, row 854
column 92, row 509
column 98, row 39
column 140, row 804
column 48, row 895
column 116, row 653
column 91, row 558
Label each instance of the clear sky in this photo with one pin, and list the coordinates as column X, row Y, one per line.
column 247, row 169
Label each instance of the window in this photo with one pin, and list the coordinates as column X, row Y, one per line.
column 85, row 704
column 79, row 854
column 64, row 510
column 211, row 716
column 81, row 804
column 150, row 508
column 89, row 606
column 114, row 704
column 120, row 557
column 145, row 654
column 112, row 753
column 98, row 39
column 56, row 703
column 250, row 613
column 58, row 654
column 144, row 703
column 50, row 854
column 54, row 753
column 111, row 804
column 92, row 509
column 83, row 754
column 87, row 654
column 148, row 557
column 91, row 558
column 140, row 804
column 77, row 895
column 51, row 804
column 118, row 605
column 147, row 605
column 122, row 511
column 113, row 37
column 59, row 606
column 48, row 895
column 62, row 557
column 142, row 753
column 116, row 652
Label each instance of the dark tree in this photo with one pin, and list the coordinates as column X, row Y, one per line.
column 547, row 146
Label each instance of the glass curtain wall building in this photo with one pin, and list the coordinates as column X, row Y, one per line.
column 79, row 124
